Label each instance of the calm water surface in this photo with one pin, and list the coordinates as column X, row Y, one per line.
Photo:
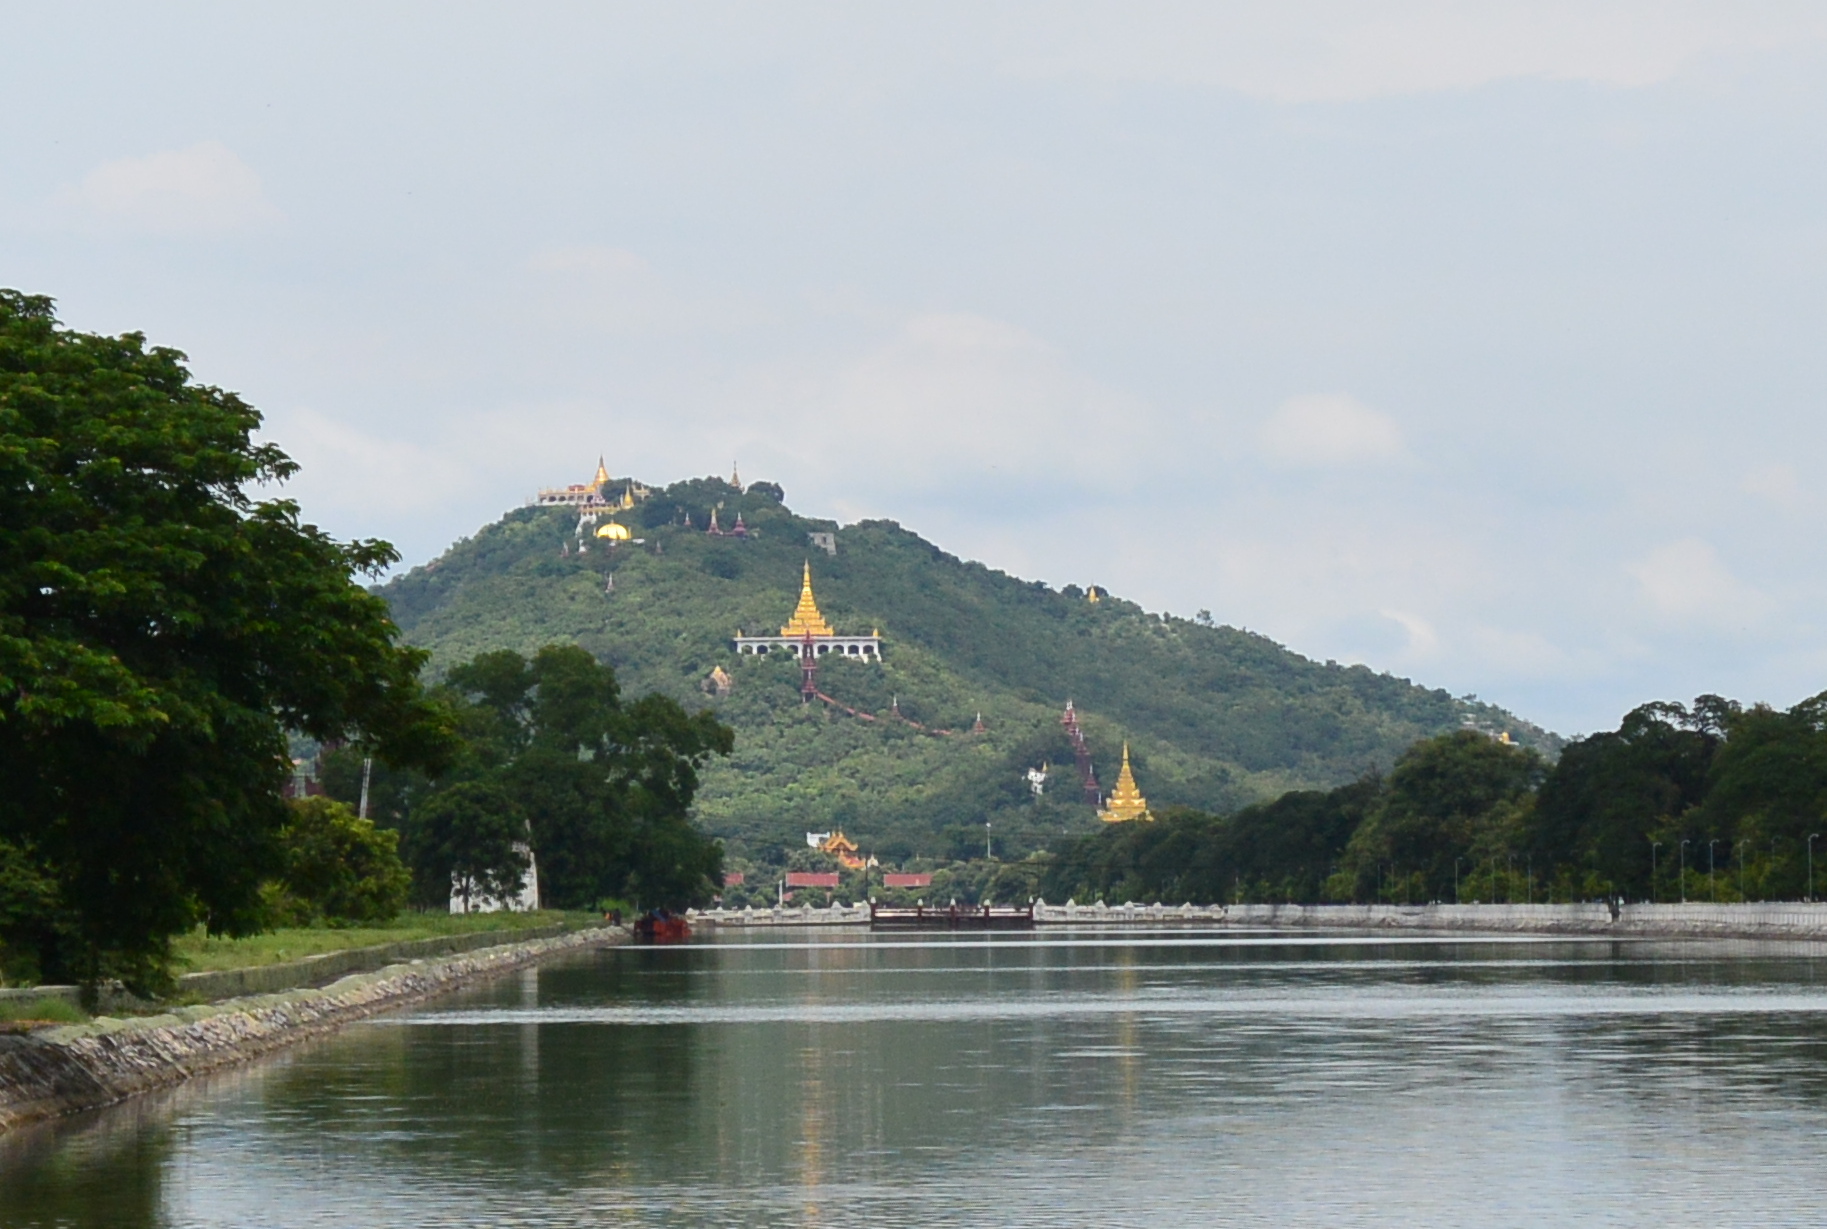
column 1092, row 1078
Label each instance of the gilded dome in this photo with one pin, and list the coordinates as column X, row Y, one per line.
column 614, row 531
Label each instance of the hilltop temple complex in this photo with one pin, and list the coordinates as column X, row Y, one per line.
column 808, row 635
column 591, row 496
column 1125, row 802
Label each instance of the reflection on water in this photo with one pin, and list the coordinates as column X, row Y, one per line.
column 1091, row 1078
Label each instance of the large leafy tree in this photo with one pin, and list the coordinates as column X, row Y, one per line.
column 605, row 787
column 1456, row 797
column 1612, row 795
column 161, row 630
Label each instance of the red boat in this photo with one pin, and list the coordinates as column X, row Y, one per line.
column 661, row 927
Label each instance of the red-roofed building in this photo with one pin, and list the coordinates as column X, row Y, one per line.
column 907, row 881
column 812, row 879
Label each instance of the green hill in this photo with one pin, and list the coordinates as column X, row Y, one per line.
column 1216, row 717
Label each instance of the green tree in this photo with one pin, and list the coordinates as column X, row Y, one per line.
column 1612, row 795
column 471, row 839
column 606, row 788
column 341, row 868
column 1456, row 796
column 1766, row 791
column 160, row 632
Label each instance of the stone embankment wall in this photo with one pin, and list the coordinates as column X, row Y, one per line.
column 1779, row 920
column 1774, row 920
column 795, row 915
column 60, row 1070
column 291, row 974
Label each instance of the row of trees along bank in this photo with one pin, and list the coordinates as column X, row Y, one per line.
column 163, row 634
column 1712, row 801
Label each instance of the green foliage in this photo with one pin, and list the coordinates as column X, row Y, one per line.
column 1218, row 718
column 29, row 914
column 600, row 790
column 1714, row 802
column 48, row 1010
column 473, row 833
column 160, row 631
column 339, row 868
column 1449, row 798
column 1276, row 851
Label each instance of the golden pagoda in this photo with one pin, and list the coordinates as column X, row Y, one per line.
column 602, row 475
column 1125, row 801
column 806, row 620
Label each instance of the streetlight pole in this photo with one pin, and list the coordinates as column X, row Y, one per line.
column 1510, row 875
column 1712, row 884
column 1456, row 862
column 987, row 855
column 1741, row 870
column 1653, row 846
column 1531, row 865
column 1684, row 872
column 1812, row 838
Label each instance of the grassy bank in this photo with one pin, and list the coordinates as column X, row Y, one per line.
column 199, row 953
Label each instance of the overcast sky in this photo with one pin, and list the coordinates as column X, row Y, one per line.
column 1482, row 343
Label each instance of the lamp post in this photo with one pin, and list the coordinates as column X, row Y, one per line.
column 1531, row 883
column 1684, row 872
column 1653, row 846
column 1812, row 838
column 1712, row 883
column 1456, row 862
column 987, row 855
column 1741, row 870
column 1510, row 876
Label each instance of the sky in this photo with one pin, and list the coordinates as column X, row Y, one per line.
column 1480, row 343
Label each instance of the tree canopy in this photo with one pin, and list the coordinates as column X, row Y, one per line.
column 161, row 631
column 554, row 760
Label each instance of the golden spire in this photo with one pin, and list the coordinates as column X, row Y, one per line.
column 602, row 475
column 1125, row 801
column 806, row 620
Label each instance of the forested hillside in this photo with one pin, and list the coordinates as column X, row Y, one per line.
column 1217, row 718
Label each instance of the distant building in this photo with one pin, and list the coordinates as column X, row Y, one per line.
column 807, row 634
column 719, row 683
column 898, row 880
column 826, row 542
column 592, row 496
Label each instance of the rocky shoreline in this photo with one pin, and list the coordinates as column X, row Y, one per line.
column 63, row 1070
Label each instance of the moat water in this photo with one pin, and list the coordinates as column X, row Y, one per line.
column 1096, row 1078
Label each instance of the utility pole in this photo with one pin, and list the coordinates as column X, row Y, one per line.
column 1653, row 846
column 367, row 771
column 1812, row 838
column 1712, row 884
column 1684, row 872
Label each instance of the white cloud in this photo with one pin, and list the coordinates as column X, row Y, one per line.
column 1686, row 581
column 1333, row 50
column 199, row 190
column 1777, row 484
column 1330, row 431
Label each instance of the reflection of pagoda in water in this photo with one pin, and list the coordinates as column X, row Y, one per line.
column 808, row 635
column 1125, row 802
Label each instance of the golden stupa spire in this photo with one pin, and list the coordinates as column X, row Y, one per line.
column 806, row 620
column 1125, row 801
column 602, row 475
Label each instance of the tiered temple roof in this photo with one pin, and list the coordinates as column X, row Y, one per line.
column 806, row 620
column 1125, row 802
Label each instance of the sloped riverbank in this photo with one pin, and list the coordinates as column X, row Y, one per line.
column 62, row 1070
